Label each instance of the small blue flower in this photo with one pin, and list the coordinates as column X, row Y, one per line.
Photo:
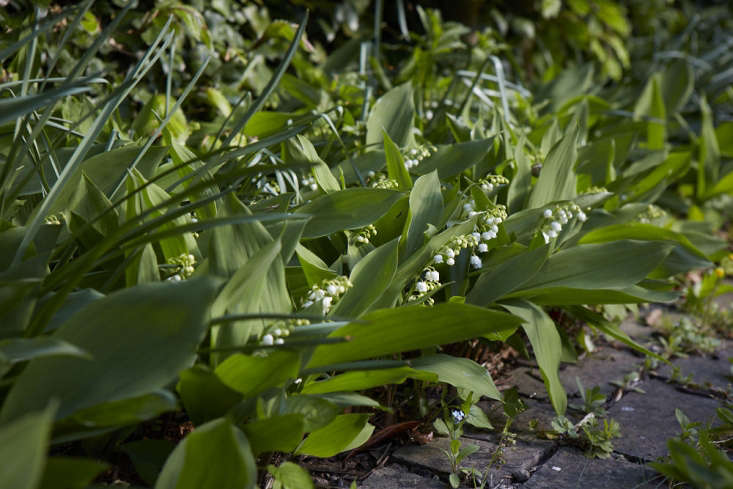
column 458, row 415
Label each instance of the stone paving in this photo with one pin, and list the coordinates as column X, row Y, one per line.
column 646, row 419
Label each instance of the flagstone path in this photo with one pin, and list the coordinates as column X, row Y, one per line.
column 647, row 420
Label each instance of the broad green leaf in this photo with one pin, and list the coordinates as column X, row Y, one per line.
column 557, row 180
column 565, row 296
column 70, row 472
column 676, row 83
column 450, row 160
column 247, row 282
column 204, row 395
column 426, row 207
column 216, row 454
column 13, row 108
column 708, row 161
column 148, row 456
column 409, row 328
column 251, row 375
column 317, row 411
column 521, row 183
column 506, row 277
column 392, row 113
column 291, row 476
column 314, row 268
column 651, row 104
column 724, row 186
column 724, row 135
column 300, row 150
column 462, row 373
column 396, row 169
column 106, row 169
column 335, row 437
column 370, row 278
column 613, row 265
column 22, row 349
column 673, row 168
column 366, row 379
column 23, row 448
column 139, row 339
column 547, row 347
column 233, row 247
column 638, row 231
column 117, row 413
column 352, row 208
column 275, row 434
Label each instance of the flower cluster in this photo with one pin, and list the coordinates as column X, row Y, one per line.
column 381, row 181
column 429, row 281
column 309, row 182
column 448, row 253
column 595, row 190
column 416, row 155
column 363, row 235
column 184, row 266
column 327, row 293
column 556, row 218
column 490, row 182
column 275, row 332
column 651, row 213
column 457, row 415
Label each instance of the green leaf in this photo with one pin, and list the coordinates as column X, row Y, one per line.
column 23, row 448
column 557, row 180
column 275, row 434
column 251, row 375
column 392, row 113
column 724, row 135
column 370, row 278
column 676, row 83
column 565, row 296
column 366, row 379
column 396, row 169
column 724, row 186
column 300, row 150
column 450, row 160
column 204, row 395
column 249, row 281
column 139, row 339
column 547, row 347
column 22, row 349
column 335, row 437
column 13, row 108
column 708, row 162
column 352, row 208
column 521, row 183
column 115, row 413
column 216, row 454
column 508, row 276
column 461, row 373
column 148, row 457
column 651, row 104
column 617, row 264
column 426, row 207
column 70, row 472
column 316, row 411
column 237, row 246
column 314, row 268
column 291, row 476
column 409, row 328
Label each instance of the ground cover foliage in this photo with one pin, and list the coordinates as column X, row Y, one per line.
column 217, row 214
